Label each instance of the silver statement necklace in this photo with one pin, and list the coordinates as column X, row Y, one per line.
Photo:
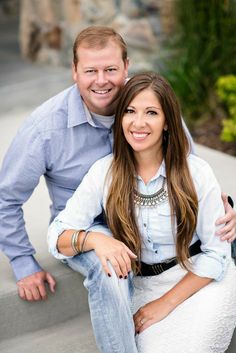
column 151, row 200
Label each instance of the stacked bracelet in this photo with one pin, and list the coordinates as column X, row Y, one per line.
column 84, row 241
column 74, row 242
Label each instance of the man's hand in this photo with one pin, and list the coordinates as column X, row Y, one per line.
column 32, row 288
column 228, row 232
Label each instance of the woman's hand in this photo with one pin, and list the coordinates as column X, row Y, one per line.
column 158, row 309
column 228, row 232
column 112, row 250
column 151, row 313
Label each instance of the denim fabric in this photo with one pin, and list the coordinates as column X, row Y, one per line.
column 110, row 304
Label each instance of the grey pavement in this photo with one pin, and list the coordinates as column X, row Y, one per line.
column 61, row 324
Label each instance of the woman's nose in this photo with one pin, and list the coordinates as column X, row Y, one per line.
column 139, row 120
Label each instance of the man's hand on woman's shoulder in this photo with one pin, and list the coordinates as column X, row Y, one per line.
column 228, row 231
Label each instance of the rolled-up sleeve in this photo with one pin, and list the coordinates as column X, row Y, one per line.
column 216, row 254
column 83, row 207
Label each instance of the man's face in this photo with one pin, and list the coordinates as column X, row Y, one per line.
column 100, row 74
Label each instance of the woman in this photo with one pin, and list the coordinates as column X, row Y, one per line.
column 159, row 201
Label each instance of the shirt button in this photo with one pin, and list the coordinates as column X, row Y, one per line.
column 144, row 224
column 156, row 251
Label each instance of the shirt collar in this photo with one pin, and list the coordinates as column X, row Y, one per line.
column 76, row 112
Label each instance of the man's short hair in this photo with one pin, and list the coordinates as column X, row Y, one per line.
column 98, row 37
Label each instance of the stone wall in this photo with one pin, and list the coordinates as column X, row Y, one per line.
column 9, row 9
column 49, row 27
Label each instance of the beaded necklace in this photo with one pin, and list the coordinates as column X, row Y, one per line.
column 151, row 200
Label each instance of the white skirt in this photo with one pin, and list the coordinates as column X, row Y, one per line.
column 203, row 323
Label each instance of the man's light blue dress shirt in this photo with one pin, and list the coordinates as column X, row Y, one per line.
column 59, row 141
column 158, row 240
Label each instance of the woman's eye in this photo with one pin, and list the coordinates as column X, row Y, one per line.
column 152, row 112
column 129, row 111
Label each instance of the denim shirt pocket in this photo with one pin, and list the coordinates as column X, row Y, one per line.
column 163, row 225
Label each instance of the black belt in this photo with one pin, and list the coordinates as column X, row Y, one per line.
column 156, row 269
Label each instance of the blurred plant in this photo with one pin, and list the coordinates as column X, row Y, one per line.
column 226, row 91
column 202, row 48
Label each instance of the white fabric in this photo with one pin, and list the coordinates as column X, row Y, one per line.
column 204, row 323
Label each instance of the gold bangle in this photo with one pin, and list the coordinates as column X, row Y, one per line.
column 84, row 241
column 74, row 242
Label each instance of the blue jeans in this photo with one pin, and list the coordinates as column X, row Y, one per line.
column 109, row 302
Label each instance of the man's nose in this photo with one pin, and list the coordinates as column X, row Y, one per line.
column 101, row 78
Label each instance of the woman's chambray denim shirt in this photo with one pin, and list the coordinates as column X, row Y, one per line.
column 158, row 241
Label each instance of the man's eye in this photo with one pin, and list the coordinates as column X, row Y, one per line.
column 89, row 71
column 111, row 69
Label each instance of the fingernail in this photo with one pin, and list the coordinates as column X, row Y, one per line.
column 109, row 275
column 137, row 332
column 120, row 277
column 126, row 277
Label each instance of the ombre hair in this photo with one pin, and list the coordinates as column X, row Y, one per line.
column 120, row 209
column 98, row 37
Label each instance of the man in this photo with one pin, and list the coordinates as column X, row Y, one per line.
column 61, row 140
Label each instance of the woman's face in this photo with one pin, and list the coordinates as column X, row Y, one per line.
column 143, row 123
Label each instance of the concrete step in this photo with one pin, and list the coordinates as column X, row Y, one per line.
column 72, row 336
column 232, row 347
column 18, row 317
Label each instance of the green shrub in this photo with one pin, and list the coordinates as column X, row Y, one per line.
column 226, row 91
column 202, row 48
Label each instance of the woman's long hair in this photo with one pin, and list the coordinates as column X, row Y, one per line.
column 183, row 201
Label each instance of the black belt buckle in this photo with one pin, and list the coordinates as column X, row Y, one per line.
column 157, row 268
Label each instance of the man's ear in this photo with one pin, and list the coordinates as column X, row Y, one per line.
column 74, row 71
column 127, row 61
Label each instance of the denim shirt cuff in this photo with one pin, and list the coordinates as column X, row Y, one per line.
column 211, row 266
column 24, row 266
column 54, row 231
